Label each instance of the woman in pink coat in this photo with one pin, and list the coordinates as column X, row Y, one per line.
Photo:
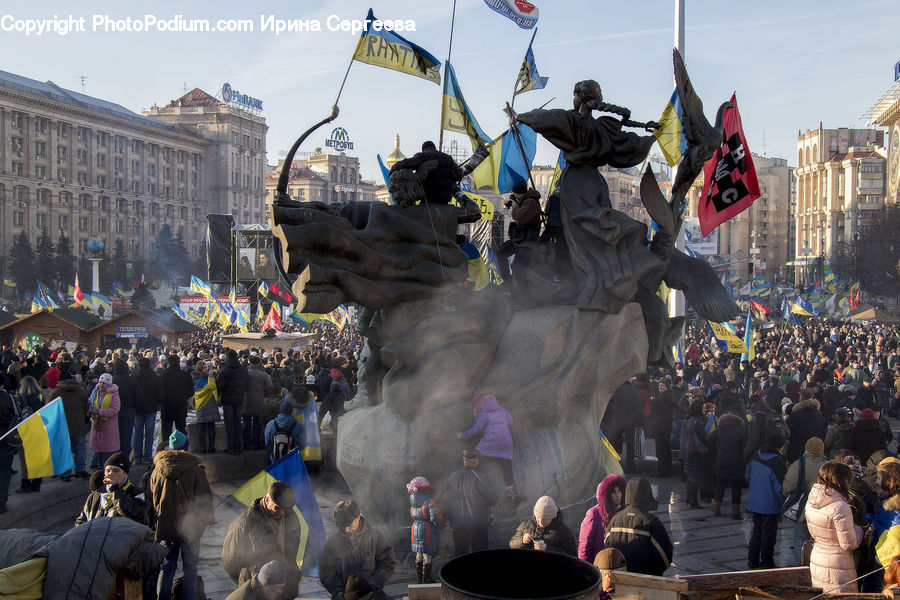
column 104, row 415
column 830, row 522
column 610, row 500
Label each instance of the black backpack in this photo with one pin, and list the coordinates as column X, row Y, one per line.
column 282, row 441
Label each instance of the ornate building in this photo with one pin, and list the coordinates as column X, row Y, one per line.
column 839, row 179
column 323, row 177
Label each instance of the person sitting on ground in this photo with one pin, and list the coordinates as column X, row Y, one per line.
column 607, row 561
column 544, row 531
column 638, row 535
column 117, row 496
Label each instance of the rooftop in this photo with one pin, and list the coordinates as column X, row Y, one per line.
column 54, row 92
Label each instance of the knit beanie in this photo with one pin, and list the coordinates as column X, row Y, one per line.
column 118, row 460
column 178, row 441
column 345, row 512
column 867, row 414
column 272, row 573
column 417, row 484
column 545, row 508
column 815, row 445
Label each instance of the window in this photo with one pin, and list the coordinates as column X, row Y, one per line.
column 65, row 198
column 118, row 163
column 62, row 175
column 61, row 154
column 40, row 125
column 104, row 203
column 151, row 172
column 81, row 157
column 246, row 140
column 40, row 171
column 18, row 144
column 64, row 222
column 234, row 137
column 135, row 167
column 41, row 221
column 101, row 181
column 120, row 227
column 120, row 144
column 18, row 169
column 136, row 145
column 121, row 205
column 101, row 160
column 181, row 155
column 166, row 154
column 102, row 138
column 40, row 150
column 82, row 245
column 15, row 119
column 180, row 175
column 84, row 201
column 62, row 130
column 84, row 134
column 18, row 218
column 82, row 178
column 152, row 151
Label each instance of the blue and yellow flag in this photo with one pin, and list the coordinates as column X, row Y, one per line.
column 557, row 172
column 506, row 165
column 608, row 446
column 726, row 337
column 45, row 442
column 391, row 51
column 801, row 307
column 529, row 78
column 748, row 339
column 179, row 312
column 102, row 301
column 290, row 469
column 670, row 133
column 9, row 281
column 201, row 287
column 455, row 113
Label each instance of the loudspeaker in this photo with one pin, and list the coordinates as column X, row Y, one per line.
column 219, row 248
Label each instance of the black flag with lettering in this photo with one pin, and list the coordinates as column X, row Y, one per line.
column 729, row 177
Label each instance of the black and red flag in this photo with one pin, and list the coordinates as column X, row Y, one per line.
column 729, row 177
column 279, row 295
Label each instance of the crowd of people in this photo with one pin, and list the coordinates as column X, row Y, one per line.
column 802, row 426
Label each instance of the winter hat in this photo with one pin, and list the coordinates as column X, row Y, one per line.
column 418, row 484
column 344, row 513
column 282, row 494
column 310, row 380
column 118, row 460
column 545, row 508
column 106, row 378
column 272, row 573
column 357, row 588
column 815, row 445
column 610, row 559
column 178, row 441
column 96, row 480
column 287, row 408
column 520, row 188
column 867, row 414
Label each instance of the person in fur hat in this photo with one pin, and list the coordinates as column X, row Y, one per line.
column 427, row 521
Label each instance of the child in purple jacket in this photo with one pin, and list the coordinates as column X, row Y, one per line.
column 492, row 423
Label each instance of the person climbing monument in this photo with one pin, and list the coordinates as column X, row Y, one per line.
column 492, row 423
column 437, row 170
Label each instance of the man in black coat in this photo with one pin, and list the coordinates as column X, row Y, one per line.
column 466, row 498
column 637, row 534
column 659, row 426
column 130, row 394
column 7, row 452
column 178, row 387
column 145, row 411
column 620, row 419
column 805, row 422
column 774, row 394
column 438, row 171
column 544, row 531
column 232, row 383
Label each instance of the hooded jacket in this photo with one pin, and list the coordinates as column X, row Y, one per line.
column 232, row 383
column 596, row 519
column 886, row 528
column 805, row 421
column 427, row 521
column 75, row 405
column 179, row 495
column 556, row 535
column 288, row 424
column 105, row 429
column 492, row 423
column 830, row 523
column 639, row 535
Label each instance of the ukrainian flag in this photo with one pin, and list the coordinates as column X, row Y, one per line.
column 557, row 172
column 801, row 307
column 102, row 301
column 455, row 113
column 529, row 78
column 263, row 289
column 179, row 312
column 9, row 281
column 45, row 442
column 391, row 51
column 608, row 446
column 506, row 166
column 748, row 339
column 725, row 336
column 291, row 470
column 670, row 133
column 197, row 285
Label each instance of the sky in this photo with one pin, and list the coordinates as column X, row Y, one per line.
column 792, row 64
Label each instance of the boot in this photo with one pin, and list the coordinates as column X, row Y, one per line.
column 426, row 573
column 717, row 508
column 736, row 512
column 419, row 571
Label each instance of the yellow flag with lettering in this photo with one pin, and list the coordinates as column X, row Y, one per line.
column 386, row 49
column 732, row 342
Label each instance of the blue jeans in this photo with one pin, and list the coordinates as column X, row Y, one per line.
column 252, row 432
column 79, row 452
column 126, row 428
column 190, row 556
column 142, row 441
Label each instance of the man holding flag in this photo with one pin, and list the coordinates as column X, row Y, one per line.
column 438, row 172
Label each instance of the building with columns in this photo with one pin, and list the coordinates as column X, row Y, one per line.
column 323, row 177
column 840, row 183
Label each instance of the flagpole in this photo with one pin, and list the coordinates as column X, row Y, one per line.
column 449, row 51
column 676, row 298
column 515, row 130
column 516, row 84
column 22, row 422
